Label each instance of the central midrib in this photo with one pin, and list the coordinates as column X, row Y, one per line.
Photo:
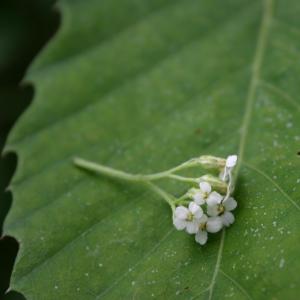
column 255, row 78
column 250, row 99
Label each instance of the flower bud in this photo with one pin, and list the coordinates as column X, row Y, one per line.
column 192, row 192
column 212, row 162
column 216, row 183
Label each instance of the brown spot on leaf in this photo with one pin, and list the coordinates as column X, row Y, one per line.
column 198, row 131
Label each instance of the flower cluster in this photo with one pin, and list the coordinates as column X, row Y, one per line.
column 206, row 210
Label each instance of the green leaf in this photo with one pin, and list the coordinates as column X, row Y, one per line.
column 143, row 86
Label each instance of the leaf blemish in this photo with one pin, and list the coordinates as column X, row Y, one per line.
column 198, row 131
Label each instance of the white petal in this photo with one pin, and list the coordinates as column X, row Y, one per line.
column 212, row 210
column 201, row 237
column 198, row 198
column 214, row 224
column 231, row 161
column 179, row 224
column 205, row 187
column 193, row 207
column 230, row 204
column 181, row 212
column 199, row 213
column 227, row 218
column 214, row 198
column 203, row 219
column 192, row 227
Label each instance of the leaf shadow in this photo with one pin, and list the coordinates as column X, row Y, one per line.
column 13, row 295
column 25, row 29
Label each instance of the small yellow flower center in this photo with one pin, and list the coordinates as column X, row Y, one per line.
column 190, row 217
column 205, row 195
column 221, row 209
column 202, row 226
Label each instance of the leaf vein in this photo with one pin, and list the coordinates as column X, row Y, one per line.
column 236, row 284
column 217, row 266
column 128, row 79
column 73, row 240
column 282, row 93
column 67, row 60
column 257, row 62
column 147, row 255
column 112, row 158
column 273, row 182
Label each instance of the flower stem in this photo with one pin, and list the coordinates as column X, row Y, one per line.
column 95, row 167
column 182, row 202
column 229, row 187
column 181, row 178
column 84, row 164
column 166, row 196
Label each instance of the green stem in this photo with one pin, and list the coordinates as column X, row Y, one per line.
column 166, row 196
column 91, row 166
column 181, row 178
column 182, row 202
column 131, row 177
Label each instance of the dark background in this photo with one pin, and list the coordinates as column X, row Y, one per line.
column 25, row 27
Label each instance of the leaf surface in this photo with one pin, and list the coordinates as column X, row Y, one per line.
column 143, row 86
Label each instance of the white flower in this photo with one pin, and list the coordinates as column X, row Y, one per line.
column 214, row 198
column 231, row 161
column 223, row 210
column 207, row 224
column 188, row 218
column 205, row 193
column 230, row 164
